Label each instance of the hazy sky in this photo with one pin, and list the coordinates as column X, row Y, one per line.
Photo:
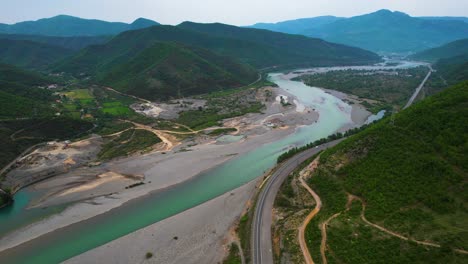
column 236, row 12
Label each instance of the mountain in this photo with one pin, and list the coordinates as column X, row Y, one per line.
column 408, row 174
column 297, row 26
column 66, row 26
column 167, row 70
column 386, row 31
column 29, row 54
column 452, row 49
column 71, row 43
column 195, row 57
column 263, row 48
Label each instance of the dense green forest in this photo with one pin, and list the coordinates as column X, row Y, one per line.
column 29, row 54
column 411, row 173
column 19, row 93
column 167, row 70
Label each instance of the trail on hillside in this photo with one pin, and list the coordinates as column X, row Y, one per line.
column 392, row 233
column 318, row 206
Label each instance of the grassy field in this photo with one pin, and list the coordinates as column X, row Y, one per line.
column 128, row 143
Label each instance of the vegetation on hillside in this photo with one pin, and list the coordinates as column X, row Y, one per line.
column 145, row 61
column 450, row 50
column 448, row 72
column 29, row 54
column 70, row 43
column 410, row 173
column 168, row 70
column 20, row 96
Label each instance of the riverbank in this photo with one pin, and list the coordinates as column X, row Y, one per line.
column 191, row 237
column 264, row 137
column 158, row 171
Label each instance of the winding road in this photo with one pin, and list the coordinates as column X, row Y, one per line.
column 261, row 227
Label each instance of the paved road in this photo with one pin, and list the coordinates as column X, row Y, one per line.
column 416, row 93
column 261, row 226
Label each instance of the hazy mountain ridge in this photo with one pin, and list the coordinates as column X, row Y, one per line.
column 67, row 26
column 386, row 31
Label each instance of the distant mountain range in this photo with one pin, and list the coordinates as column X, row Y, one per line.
column 67, row 26
column 381, row 31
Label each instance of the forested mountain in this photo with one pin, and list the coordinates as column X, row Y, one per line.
column 71, row 43
column 452, row 49
column 409, row 175
column 166, row 70
column 125, row 57
column 66, row 26
column 19, row 93
column 284, row 47
column 384, row 31
column 29, row 54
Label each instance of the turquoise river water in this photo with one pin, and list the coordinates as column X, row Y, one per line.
column 75, row 239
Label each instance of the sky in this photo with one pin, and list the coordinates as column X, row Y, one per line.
column 235, row 12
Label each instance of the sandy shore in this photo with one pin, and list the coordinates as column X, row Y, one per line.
column 199, row 239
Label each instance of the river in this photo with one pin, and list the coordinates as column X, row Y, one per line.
column 77, row 238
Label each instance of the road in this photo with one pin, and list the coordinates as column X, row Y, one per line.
column 416, row 93
column 261, row 226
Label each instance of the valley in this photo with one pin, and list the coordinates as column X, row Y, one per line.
column 317, row 140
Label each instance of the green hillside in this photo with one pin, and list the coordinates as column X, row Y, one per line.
column 411, row 174
column 66, row 26
column 167, row 70
column 289, row 49
column 449, row 71
column 19, row 95
column 29, row 54
column 259, row 48
column 123, row 61
column 453, row 69
column 70, row 43
column 452, row 49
